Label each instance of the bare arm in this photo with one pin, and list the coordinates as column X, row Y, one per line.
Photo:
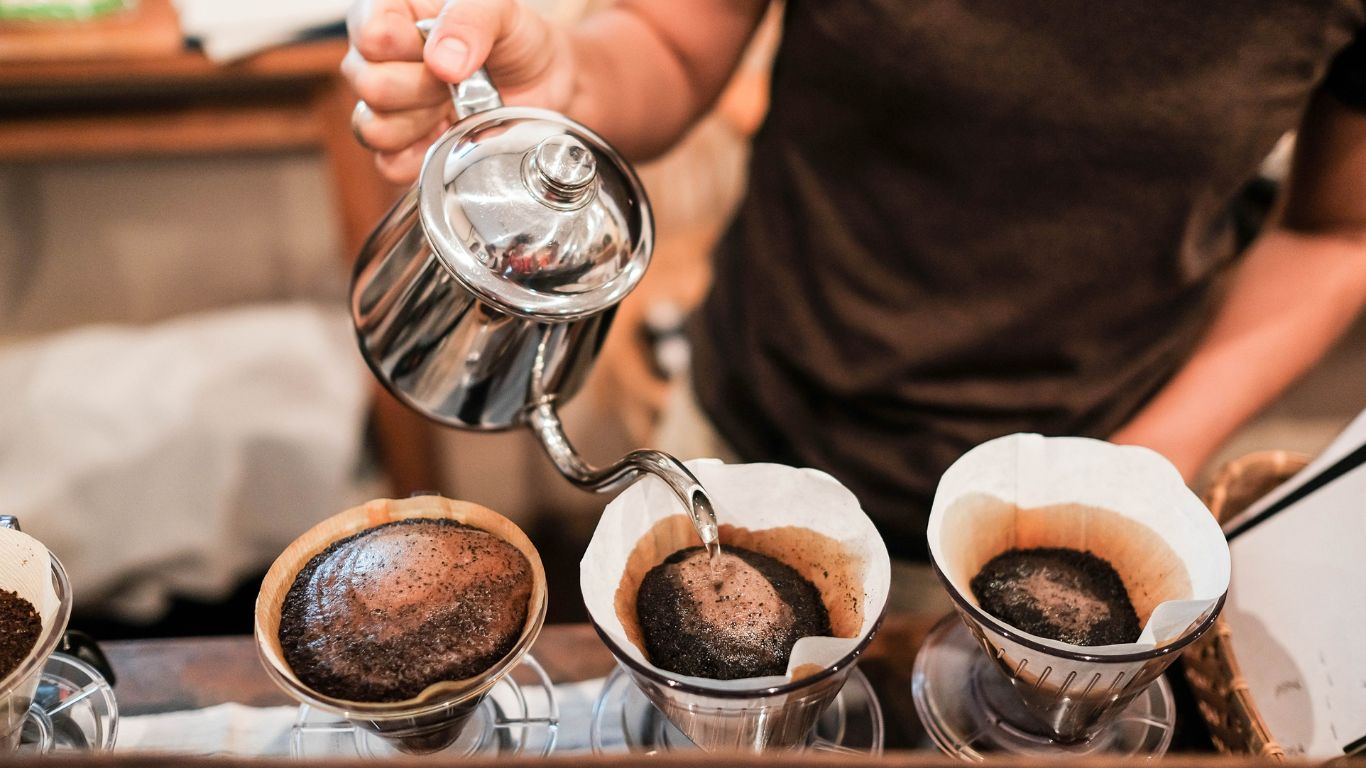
column 1299, row 288
column 649, row 70
column 640, row 72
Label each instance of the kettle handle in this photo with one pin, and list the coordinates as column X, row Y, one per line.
column 685, row 486
column 475, row 93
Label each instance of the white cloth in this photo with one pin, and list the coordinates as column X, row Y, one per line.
column 225, row 729
column 240, row 730
column 231, row 30
column 180, row 457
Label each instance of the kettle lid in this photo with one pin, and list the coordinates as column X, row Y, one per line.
column 535, row 214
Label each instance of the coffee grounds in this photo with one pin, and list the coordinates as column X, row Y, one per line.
column 20, row 626
column 745, row 626
column 1058, row 593
column 381, row 615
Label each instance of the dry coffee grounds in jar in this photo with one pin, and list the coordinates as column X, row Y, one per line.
column 20, row 626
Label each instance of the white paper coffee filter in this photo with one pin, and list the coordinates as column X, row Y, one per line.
column 26, row 570
column 751, row 496
column 987, row 493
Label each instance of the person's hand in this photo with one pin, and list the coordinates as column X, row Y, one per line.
column 405, row 102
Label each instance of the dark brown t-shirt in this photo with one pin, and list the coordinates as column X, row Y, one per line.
column 968, row 218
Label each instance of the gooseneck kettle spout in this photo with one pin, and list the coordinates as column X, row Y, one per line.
column 545, row 422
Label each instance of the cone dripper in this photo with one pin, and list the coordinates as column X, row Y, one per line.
column 434, row 718
column 29, row 570
column 1126, row 505
column 803, row 518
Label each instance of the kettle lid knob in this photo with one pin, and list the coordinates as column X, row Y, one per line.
column 563, row 170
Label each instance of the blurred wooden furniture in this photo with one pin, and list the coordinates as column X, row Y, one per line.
column 127, row 86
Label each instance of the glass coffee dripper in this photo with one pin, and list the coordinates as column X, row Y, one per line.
column 52, row 699
column 981, row 686
column 17, row 690
column 434, row 719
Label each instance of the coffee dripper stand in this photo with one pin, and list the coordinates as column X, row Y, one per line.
column 518, row 717
column 484, row 296
column 60, row 698
column 625, row 720
column 982, row 688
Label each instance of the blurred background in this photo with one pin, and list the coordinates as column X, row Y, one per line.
column 180, row 390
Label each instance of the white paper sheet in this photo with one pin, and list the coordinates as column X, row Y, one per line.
column 1296, row 613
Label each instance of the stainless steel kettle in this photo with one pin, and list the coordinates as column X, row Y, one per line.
column 483, row 297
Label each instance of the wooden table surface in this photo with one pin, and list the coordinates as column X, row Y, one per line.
column 170, row 675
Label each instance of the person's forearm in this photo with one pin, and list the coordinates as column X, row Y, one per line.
column 644, row 72
column 1291, row 299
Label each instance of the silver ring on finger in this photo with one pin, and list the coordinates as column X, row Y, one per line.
column 360, row 113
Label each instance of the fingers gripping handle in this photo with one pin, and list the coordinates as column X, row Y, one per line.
column 473, row 94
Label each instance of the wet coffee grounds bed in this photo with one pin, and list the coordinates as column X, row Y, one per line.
column 745, row 626
column 385, row 613
column 1058, row 593
column 20, row 626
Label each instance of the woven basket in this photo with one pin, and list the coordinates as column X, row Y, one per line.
column 1215, row 677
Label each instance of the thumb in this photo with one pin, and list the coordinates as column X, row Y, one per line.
column 469, row 32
